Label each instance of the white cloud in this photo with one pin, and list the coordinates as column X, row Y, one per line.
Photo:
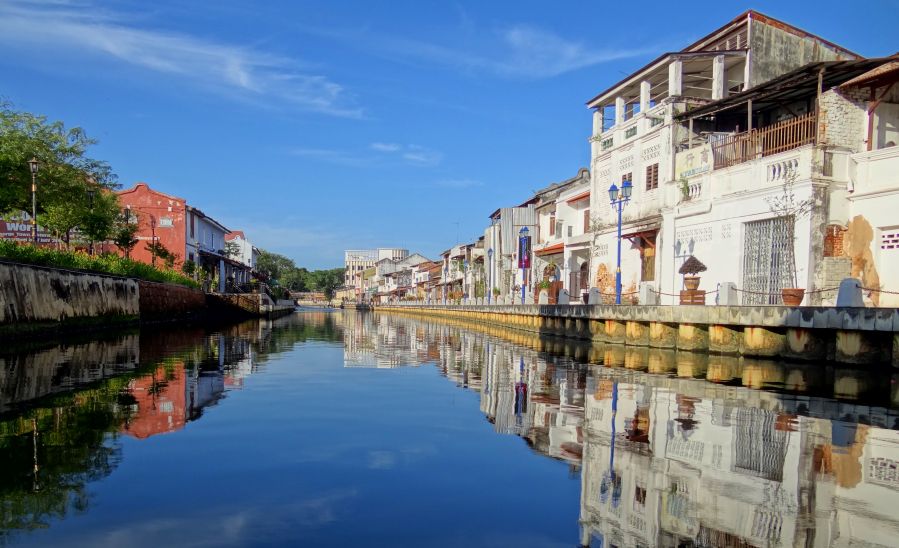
column 384, row 154
column 241, row 71
column 517, row 51
column 386, row 147
column 458, row 183
column 416, row 155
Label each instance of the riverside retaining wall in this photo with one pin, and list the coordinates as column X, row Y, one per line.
column 166, row 302
column 845, row 335
column 34, row 297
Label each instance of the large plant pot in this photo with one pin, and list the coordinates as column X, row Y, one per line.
column 792, row 296
column 691, row 282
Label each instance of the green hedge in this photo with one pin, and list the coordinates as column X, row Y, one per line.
column 106, row 264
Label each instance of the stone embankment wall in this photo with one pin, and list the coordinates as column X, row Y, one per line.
column 165, row 302
column 845, row 335
column 36, row 299
column 34, row 296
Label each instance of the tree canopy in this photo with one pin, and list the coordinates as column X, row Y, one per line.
column 73, row 189
column 286, row 273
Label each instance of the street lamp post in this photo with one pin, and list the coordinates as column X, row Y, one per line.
column 489, row 274
column 90, row 198
column 619, row 198
column 33, row 165
column 153, row 238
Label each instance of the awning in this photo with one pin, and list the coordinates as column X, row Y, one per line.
column 550, row 250
column 643, row 229
column 578, row 197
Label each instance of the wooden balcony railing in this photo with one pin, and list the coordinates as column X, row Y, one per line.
column 757, row 143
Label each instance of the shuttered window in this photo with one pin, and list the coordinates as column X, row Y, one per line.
column 652, row 176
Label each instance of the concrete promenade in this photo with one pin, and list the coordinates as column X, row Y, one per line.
column 842, row 335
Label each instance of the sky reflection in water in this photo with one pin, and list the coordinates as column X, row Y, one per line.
column 329, row 428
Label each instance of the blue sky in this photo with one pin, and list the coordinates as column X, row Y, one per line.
column 317, row 126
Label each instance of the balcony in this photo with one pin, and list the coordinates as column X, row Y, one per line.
column 730, row 150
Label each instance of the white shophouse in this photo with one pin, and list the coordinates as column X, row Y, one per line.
column 501, row 250
column 564, row 237
column 704, row 169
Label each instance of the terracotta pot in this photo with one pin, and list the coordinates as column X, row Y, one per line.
column 691, row 282
column 792, row 296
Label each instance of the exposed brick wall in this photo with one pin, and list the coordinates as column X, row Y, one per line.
column 162, row 302
column 843, row 118
column 833, row 241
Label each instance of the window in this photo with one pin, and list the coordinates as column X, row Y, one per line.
column 552, row 224
column 165, row 222
column 627, row 177
column 192, row 223
column 652, row 176
column 586, row 221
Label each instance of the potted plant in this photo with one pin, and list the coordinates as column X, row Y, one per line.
column 788, row 208
column 496, row 292
column 691, row 267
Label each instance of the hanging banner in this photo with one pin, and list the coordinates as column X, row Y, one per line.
column 524, row 252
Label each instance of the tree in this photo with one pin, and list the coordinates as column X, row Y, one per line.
column 65, row 170
column 97, row 222
column 790, row 209
column 273, row 265
column 156, row 249
column 126, row 227
column 232, row 250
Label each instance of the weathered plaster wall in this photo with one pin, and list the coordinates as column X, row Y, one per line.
column 777, row 50
column 34, row 294
column 857, row 246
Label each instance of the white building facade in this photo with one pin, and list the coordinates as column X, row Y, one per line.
column 697, row 189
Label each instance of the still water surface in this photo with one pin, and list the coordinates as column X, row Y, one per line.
column 332, row 428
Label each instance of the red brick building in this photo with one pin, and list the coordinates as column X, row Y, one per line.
column 183, row 230
column 160, row 217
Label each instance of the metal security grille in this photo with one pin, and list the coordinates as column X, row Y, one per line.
column 766, row 261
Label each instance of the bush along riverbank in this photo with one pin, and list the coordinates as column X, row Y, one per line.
column 101, row 264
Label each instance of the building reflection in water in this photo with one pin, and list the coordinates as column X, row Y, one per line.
column 672, row 449
column 64, row 406
column 668, row 458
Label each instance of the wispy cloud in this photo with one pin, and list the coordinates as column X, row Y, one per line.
column 516, row 51
column 410, row 154
column 377, row 154
column 458, row 183
column 247, row 73
column 386, row 147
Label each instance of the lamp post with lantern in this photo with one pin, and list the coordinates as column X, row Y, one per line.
column 619, row 197
column 33, row 165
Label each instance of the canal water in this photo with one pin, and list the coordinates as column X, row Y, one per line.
column 348, row 428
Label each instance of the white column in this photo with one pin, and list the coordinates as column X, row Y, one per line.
column 675, row 78
column 645, row 90
column 719, row 78
column 597, row 121
column 619, row 110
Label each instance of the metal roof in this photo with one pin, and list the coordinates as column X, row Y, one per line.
column 792, row 86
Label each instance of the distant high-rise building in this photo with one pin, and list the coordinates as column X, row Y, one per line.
column 357, row 260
